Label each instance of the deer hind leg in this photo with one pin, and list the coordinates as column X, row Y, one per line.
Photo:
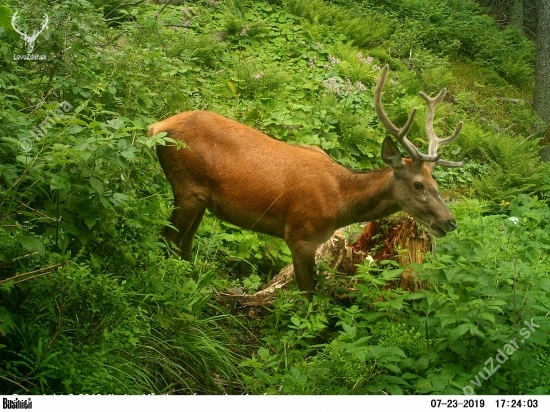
column 303, row 260
column 186, row 218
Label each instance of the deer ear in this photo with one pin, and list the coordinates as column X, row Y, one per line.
column 391, row 154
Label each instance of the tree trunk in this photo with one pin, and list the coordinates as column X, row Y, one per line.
column 541, row 101
column 516, row 14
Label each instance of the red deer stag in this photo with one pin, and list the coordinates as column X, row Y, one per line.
column 297, row 193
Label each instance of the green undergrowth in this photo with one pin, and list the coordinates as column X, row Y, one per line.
column 488, row 286
column 89, row 303
column 150, row 329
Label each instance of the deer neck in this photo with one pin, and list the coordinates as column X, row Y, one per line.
column 367, row 196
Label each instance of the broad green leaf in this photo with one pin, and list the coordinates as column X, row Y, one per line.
column 350, row 330
column 97, row 185
column 459, row 331
column 90, row 222
column 33, row 244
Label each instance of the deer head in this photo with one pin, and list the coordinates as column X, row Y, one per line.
column 414, row 187
column 29, row 40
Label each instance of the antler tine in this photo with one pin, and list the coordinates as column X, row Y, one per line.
column 13, row 18
column 398, row 133
column 436, row 142
column 36, row 33
column 393, row 129
column 447, row 163
column 44, row 25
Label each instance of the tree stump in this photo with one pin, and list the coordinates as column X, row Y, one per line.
column 398, row 237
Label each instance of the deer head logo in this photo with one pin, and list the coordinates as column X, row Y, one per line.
column 29, row 40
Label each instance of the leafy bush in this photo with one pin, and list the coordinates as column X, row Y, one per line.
column 515, row 168
column 483, row 294
column 458, row 30
column 84, row 331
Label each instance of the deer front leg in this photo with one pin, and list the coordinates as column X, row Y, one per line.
column 186, row 217
column 303, row 260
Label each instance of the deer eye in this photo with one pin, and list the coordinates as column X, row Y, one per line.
column 418, row 185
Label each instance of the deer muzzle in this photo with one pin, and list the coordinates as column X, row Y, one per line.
column 440, row 229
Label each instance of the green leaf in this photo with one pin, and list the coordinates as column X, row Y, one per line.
column 394, row 389
column 232, row 87
column 394, row 351
column 5, row 17
column 33, row 244
column 395, row 379
column 459, row 331
column 26, row 160
column 74, row 129
column 476, row 332
column 90, row 222
column 416, row 295
column 394, row 368
column 350, row 330
column 439, row 384
column 119, row 199
column 6, row 321
column 164, row 321
column 97, row 185
column 489, row 316
column 105, row 203
column 157, row 284
column 263, row 353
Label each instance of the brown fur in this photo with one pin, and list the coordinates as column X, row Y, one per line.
column 292, row 192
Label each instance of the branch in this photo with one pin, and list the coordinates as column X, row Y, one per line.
column 49, row 268
column 25, row 172
column 166, row 5
column 515, row 101
column 32, row 277
column 123, row 5
column 15, row 383
column 24, row 256
column 38, row 212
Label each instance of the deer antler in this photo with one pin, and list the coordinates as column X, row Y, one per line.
column 399, row 133
column 13, row 18
column 43, row 26
column 436, row 142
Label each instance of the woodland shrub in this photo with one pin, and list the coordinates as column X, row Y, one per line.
column 458, row 30
column 485, row 281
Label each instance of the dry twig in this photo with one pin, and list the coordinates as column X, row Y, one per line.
column 39, row 272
